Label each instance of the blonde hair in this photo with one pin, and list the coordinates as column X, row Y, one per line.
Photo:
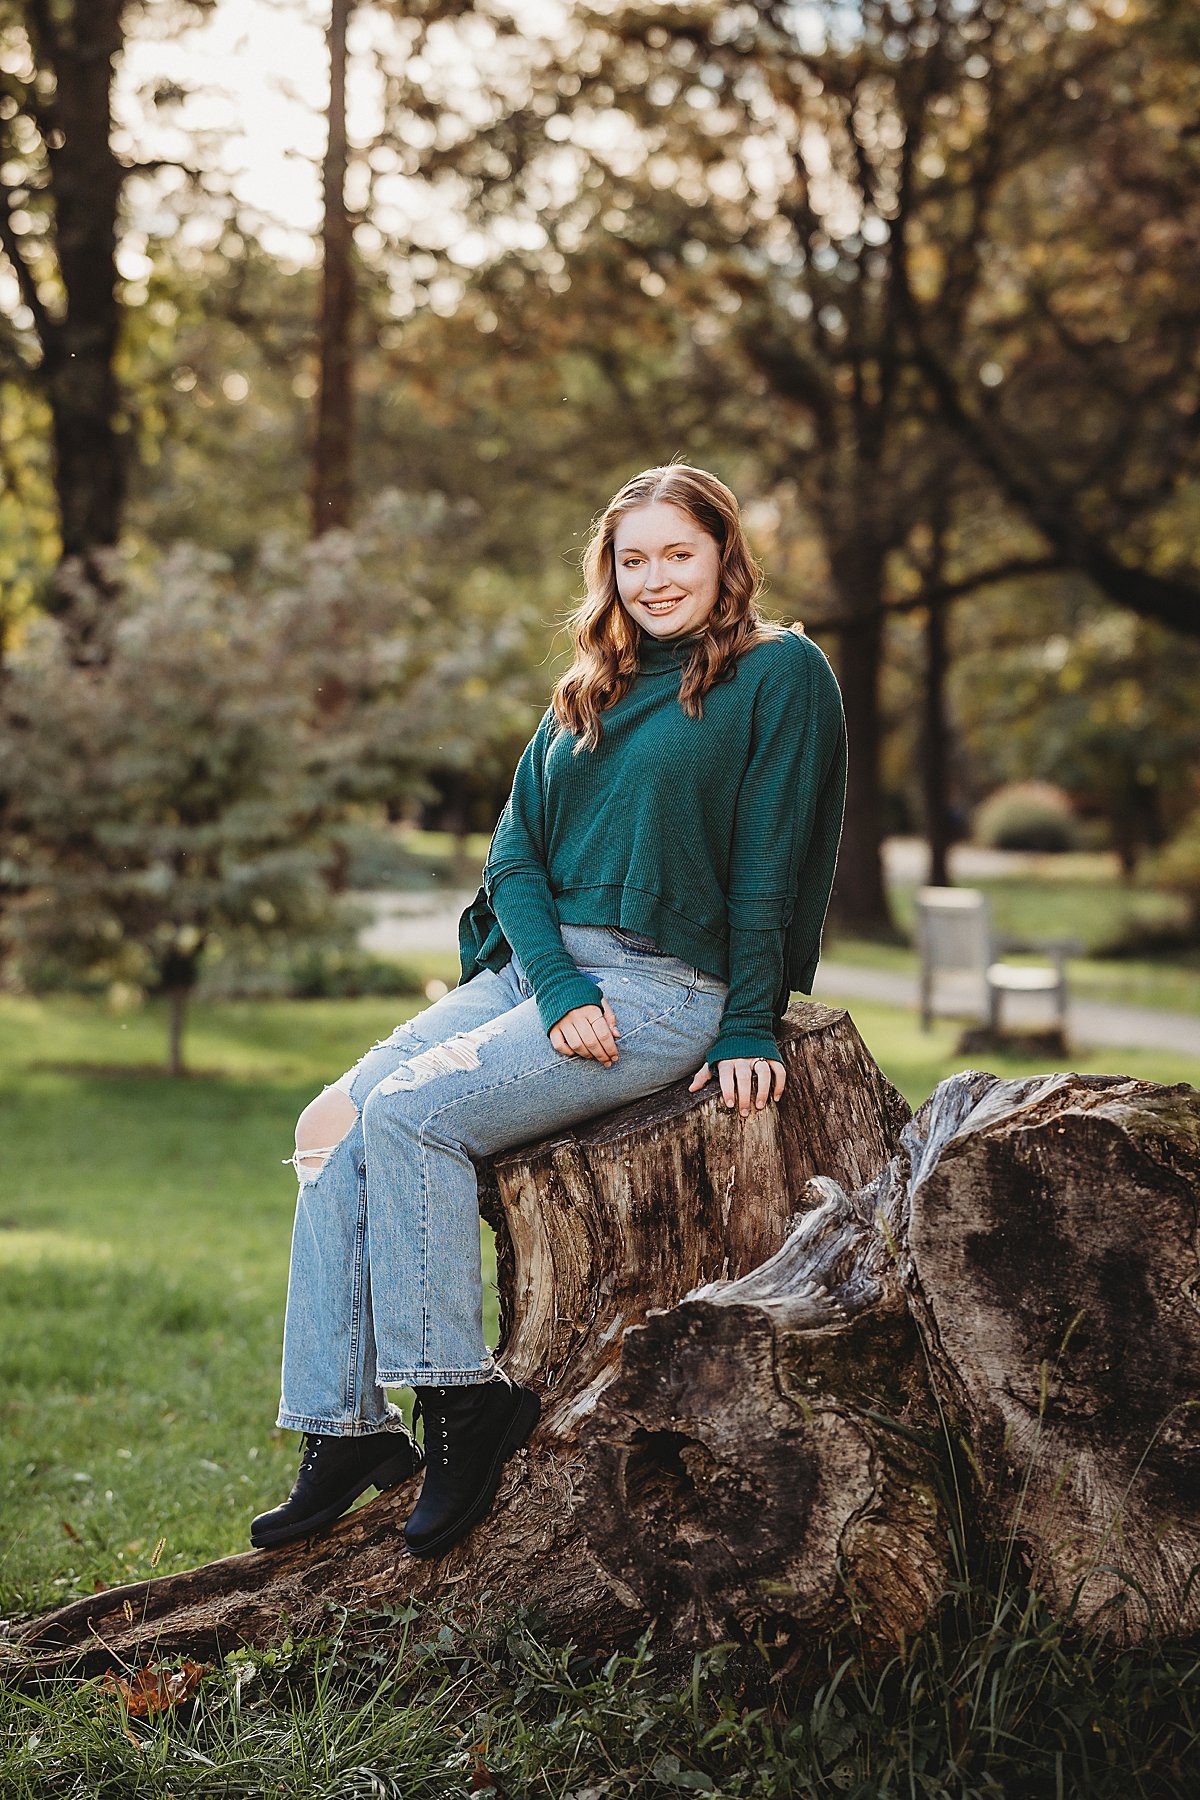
column 607, row 639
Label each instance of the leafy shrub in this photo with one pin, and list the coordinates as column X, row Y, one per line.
column 318, row 970
column 349, row 975
column 1027, row 815
column 1177, row 868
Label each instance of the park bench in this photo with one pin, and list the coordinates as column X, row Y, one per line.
column 955, row 939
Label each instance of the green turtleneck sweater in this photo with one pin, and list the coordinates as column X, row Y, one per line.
column 717, row 837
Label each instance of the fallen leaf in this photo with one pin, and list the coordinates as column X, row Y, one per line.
column 482, row 1778
column 69, row 1529
column 155, row 1689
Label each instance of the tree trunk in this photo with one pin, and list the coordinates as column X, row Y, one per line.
column 79, row 344
column 177, row 976
column 333, row 442
column 177, row 999
column 860, row 904
column 933, row 745
column 767, row 1456
column 594, row 1229
column 766, row 1460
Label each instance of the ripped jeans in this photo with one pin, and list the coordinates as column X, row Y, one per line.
column 385, row 1287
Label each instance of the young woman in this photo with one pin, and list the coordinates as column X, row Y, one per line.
column 655, row 887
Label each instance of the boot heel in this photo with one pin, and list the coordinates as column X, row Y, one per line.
column 521, row 1429
column 392, row 1473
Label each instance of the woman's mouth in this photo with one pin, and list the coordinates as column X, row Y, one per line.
column 659, row 606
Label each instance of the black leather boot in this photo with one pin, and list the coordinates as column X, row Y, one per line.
column 334, row 1471
column 470, row 1433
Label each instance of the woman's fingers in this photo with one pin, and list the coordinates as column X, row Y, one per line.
column 588, row 1031
column 593, row 1046
column 748, row 1081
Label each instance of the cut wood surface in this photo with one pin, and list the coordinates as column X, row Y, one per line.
column 595, row 1228
column 1052, row 1263
column 767, row 1457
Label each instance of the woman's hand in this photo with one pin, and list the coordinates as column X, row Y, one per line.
column 739, row 1076
column 588, row 1031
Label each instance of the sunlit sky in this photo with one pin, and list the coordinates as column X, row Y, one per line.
column 258, row 76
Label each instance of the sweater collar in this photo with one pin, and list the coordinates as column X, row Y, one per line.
column 664, row 658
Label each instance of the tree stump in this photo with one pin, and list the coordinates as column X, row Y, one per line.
column 1022, row 1281
column 767, row 1460
column 1053, row 1268
column 594, row 1230
column 757, row 1363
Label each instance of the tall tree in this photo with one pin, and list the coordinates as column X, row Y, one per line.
column 833, row 197
column 1075, row 386
column 333, row 437
column 60, row 192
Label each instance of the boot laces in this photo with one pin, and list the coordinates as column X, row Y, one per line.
column 435, row 1427
column 307, row 1455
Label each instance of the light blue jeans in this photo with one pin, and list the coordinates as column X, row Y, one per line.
column 385, row 1287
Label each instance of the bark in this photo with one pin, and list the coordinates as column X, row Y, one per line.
column 78, row 339
column 595, row 1229
column 860, row 903
column 766, row 1461
column 177, row 999
column 333, row 445
column 937, row 812
column 1053, row 1268
column 178, row 974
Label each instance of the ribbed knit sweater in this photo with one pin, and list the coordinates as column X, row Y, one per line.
column 717, row 837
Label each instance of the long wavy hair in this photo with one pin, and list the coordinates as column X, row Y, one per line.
column 607, row 639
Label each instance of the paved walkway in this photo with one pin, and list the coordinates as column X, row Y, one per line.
column 410, row 922
column 1088, row 1021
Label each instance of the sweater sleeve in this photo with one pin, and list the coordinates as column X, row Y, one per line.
column 517, row 885
column 787, row 820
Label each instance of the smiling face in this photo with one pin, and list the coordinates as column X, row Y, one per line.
column 668, row 569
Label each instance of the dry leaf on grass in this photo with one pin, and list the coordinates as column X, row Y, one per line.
column 152, row 1690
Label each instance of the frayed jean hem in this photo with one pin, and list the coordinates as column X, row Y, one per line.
column 411, row 1378
column 343, row 1427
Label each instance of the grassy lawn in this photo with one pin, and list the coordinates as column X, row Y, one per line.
column 1134, row 981
column 143, row 1258
column 1074, row 896
column 144, row 1235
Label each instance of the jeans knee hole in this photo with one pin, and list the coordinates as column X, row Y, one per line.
column 456, row 1055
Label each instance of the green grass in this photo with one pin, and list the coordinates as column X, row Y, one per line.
column 997, row 1701
column 1078, row 896
column 1173, row 985
column 916, row 1061
column 144, row 1235
column 1070, row 897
